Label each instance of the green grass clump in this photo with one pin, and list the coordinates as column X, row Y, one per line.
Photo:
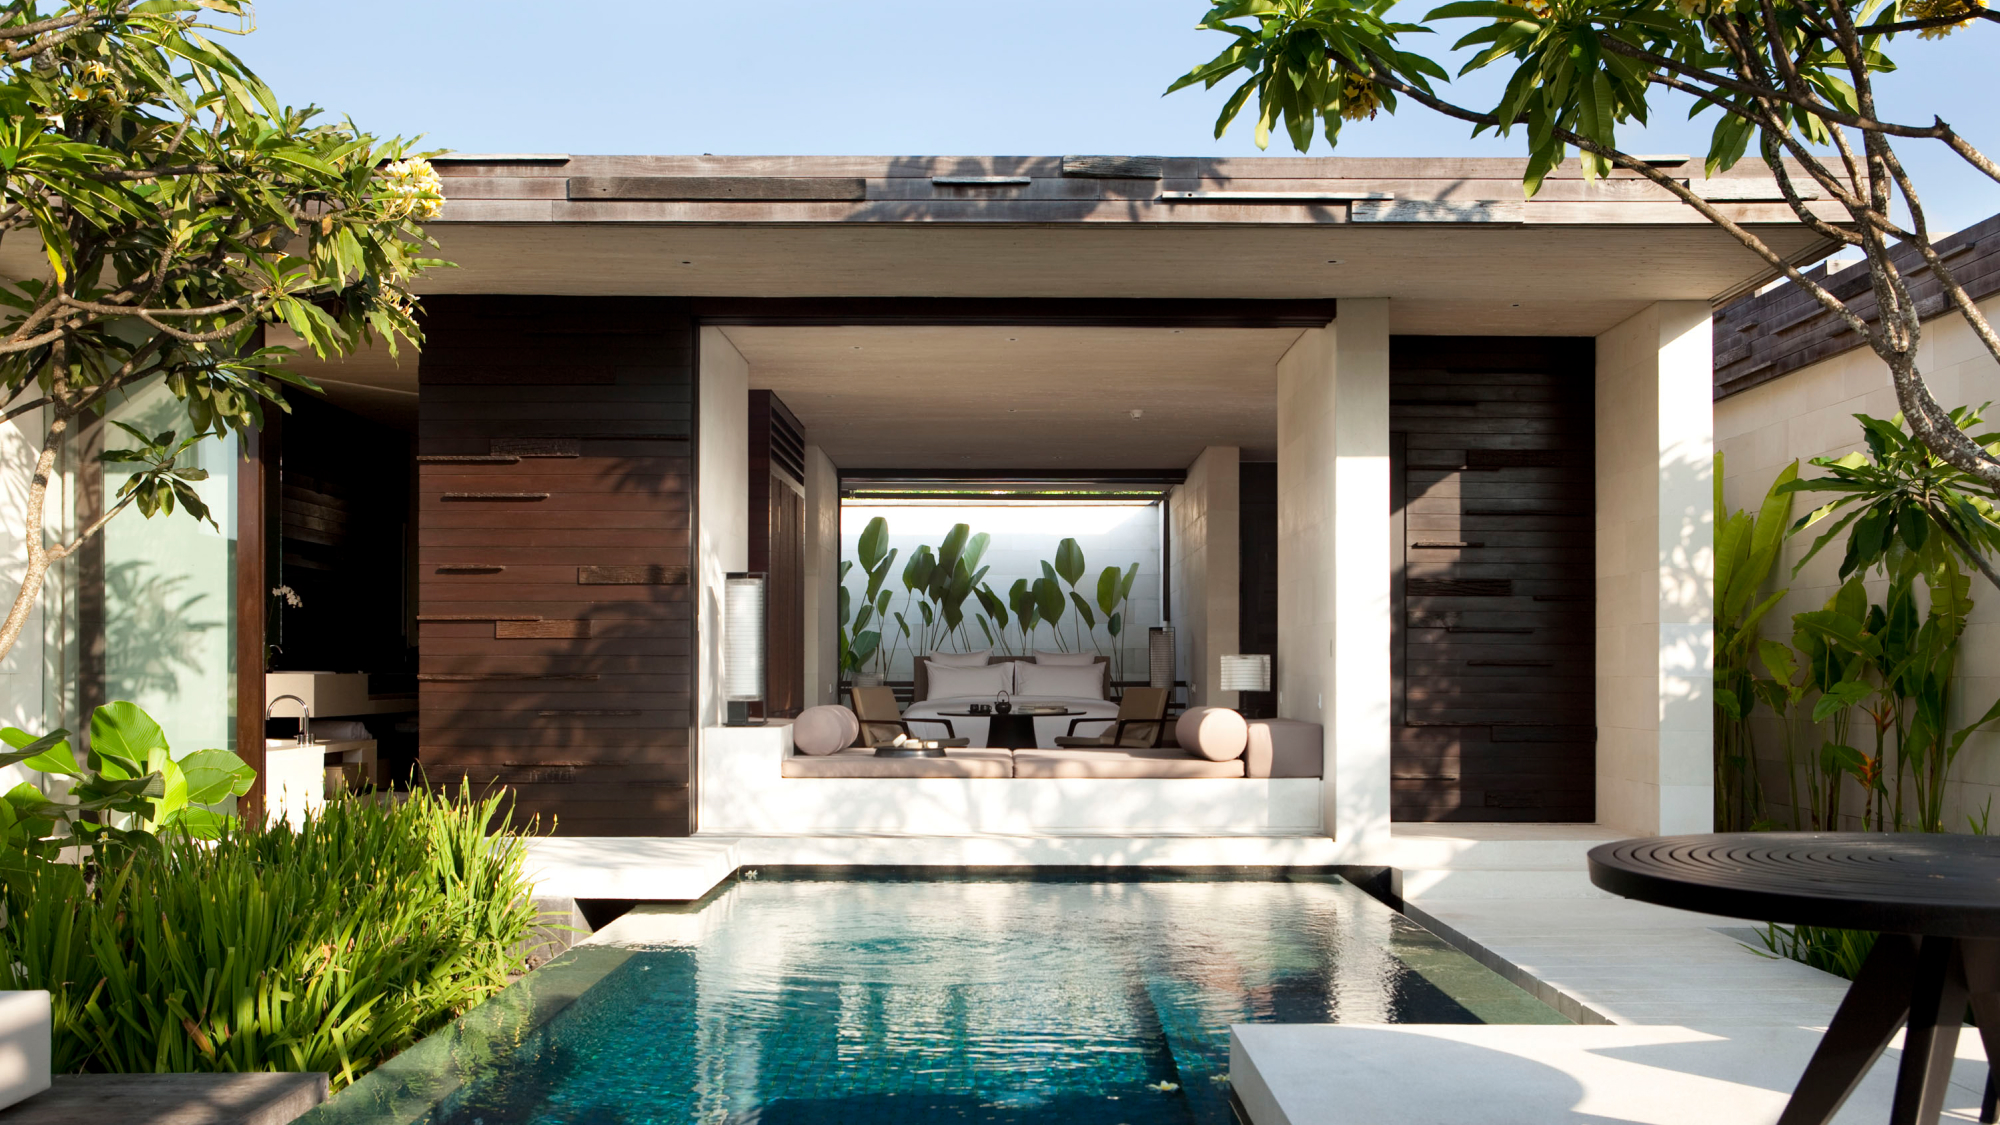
column 330, row 948
column 1839, row 952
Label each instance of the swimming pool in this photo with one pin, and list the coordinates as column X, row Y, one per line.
column 868, row 1002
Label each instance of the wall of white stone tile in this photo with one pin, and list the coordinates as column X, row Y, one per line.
column 1809, row 413
column 1654, row 571
column 1205, row 575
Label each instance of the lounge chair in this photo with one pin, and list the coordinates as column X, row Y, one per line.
column 1141, row 721
column 876, row 708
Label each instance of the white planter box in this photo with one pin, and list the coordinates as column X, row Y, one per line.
column 25, row 1025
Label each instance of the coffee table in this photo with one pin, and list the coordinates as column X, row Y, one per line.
column 1014, row 730
column 1935, row 900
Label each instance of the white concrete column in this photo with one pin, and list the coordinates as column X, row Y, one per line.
column 1206, row 510
column 822, row 577
column 722, row 480
column 1334, row 558
column 1655, row 571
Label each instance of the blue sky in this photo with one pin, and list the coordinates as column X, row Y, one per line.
column 905, row 78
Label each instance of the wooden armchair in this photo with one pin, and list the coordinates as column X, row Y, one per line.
column 876, row 708
column 1141, row 723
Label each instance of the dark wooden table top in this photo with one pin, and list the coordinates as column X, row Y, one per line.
column 1011, row 715
column 1910, row 883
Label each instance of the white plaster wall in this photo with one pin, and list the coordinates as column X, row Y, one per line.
column 822, row 571
column 1023, row 534
column 21, row 672
column 1334, row 561
column 722, row 539
column 1810, row 413
column 1655, row 568
column 1205, row 510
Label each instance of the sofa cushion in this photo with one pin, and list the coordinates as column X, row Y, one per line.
column 824, row 729
column 1215, row 733
column 864, row 763
column 1059, row 681
column 1284, row 748
column 978, row 659
column 1066, row 658
column 983, row 682
column 1165, row 762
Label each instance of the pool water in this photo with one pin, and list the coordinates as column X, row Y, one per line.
column 872, row 1002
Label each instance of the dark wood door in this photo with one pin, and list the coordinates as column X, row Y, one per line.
column 555, row 615
column 1495, row 635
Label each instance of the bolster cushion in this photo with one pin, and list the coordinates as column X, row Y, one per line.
column 1215, row 733
column 824, row 729
column 1284, row 748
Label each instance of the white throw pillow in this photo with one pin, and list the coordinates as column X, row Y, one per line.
column 978, row 659
column 1065, row 659
column 825, row 729
column 983, row 682
column 1059, row 681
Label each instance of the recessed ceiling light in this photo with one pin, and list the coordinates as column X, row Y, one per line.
column 857, row 347
column 1517, row 304
column 1333, row 261
column 1138, row 414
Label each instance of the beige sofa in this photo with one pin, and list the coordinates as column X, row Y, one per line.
column 1276, row 748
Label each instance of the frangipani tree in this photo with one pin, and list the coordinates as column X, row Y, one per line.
column 175, row 207
column 1792, row 81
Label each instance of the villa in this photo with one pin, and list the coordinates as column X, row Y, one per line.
column 1413, row 475
column 1477, row 430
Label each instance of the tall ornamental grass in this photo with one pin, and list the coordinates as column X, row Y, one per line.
column 330, row 948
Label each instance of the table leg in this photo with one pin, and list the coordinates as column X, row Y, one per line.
column 1982, row 977
column 1875, row 1006
column 1937, row 1012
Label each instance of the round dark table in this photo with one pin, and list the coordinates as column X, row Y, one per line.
column 1935, row 899
column 1014, row 730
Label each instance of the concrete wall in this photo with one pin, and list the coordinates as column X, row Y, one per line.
column 1204, row 574
column 1809, row 413
column 1334, row 561
column 722, row 533
column 1655, row 567
column 822, row 574
column 1023, row 534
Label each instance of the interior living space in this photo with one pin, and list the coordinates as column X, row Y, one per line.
column 1397, row 486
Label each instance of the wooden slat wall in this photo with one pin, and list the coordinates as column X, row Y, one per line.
column 1760, row 338
column 1257, row 576
column 778, row 547
column 1495, row 645
column 555, row 500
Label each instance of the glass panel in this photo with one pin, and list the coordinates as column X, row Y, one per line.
column 169, row 605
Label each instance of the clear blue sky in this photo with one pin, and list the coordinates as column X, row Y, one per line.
column 904, row 78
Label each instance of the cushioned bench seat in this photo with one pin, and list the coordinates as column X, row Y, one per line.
column 1168, row 761
column 864, row 763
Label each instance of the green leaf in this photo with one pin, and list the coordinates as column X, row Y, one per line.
column 49, row 753
column 123, row 730
column 1108, row 586
column 874, row 543
column 1069, row 561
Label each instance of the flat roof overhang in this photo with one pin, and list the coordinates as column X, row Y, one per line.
column 1449, row 241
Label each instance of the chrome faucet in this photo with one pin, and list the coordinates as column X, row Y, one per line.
column 305, row 724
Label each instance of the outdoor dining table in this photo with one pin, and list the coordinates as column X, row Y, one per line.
column 1935, row 900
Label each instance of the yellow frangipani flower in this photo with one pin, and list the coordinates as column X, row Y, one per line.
column 411, row 187
column 1935, row 9
column 1358, row 99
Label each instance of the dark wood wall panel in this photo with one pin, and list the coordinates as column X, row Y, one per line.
column 555, row 498
column 778, row 547
column 1495, row 643
column 1257, row 576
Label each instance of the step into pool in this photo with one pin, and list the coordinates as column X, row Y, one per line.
column 869, row 1002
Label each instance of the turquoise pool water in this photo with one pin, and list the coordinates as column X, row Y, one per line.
column 877, row 1002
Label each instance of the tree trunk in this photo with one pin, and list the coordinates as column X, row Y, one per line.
column 32, row 533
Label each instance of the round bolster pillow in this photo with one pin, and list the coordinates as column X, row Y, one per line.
column 1215, row 733
column 825, row 729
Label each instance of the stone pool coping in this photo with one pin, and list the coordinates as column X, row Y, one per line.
column 408, row 1087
